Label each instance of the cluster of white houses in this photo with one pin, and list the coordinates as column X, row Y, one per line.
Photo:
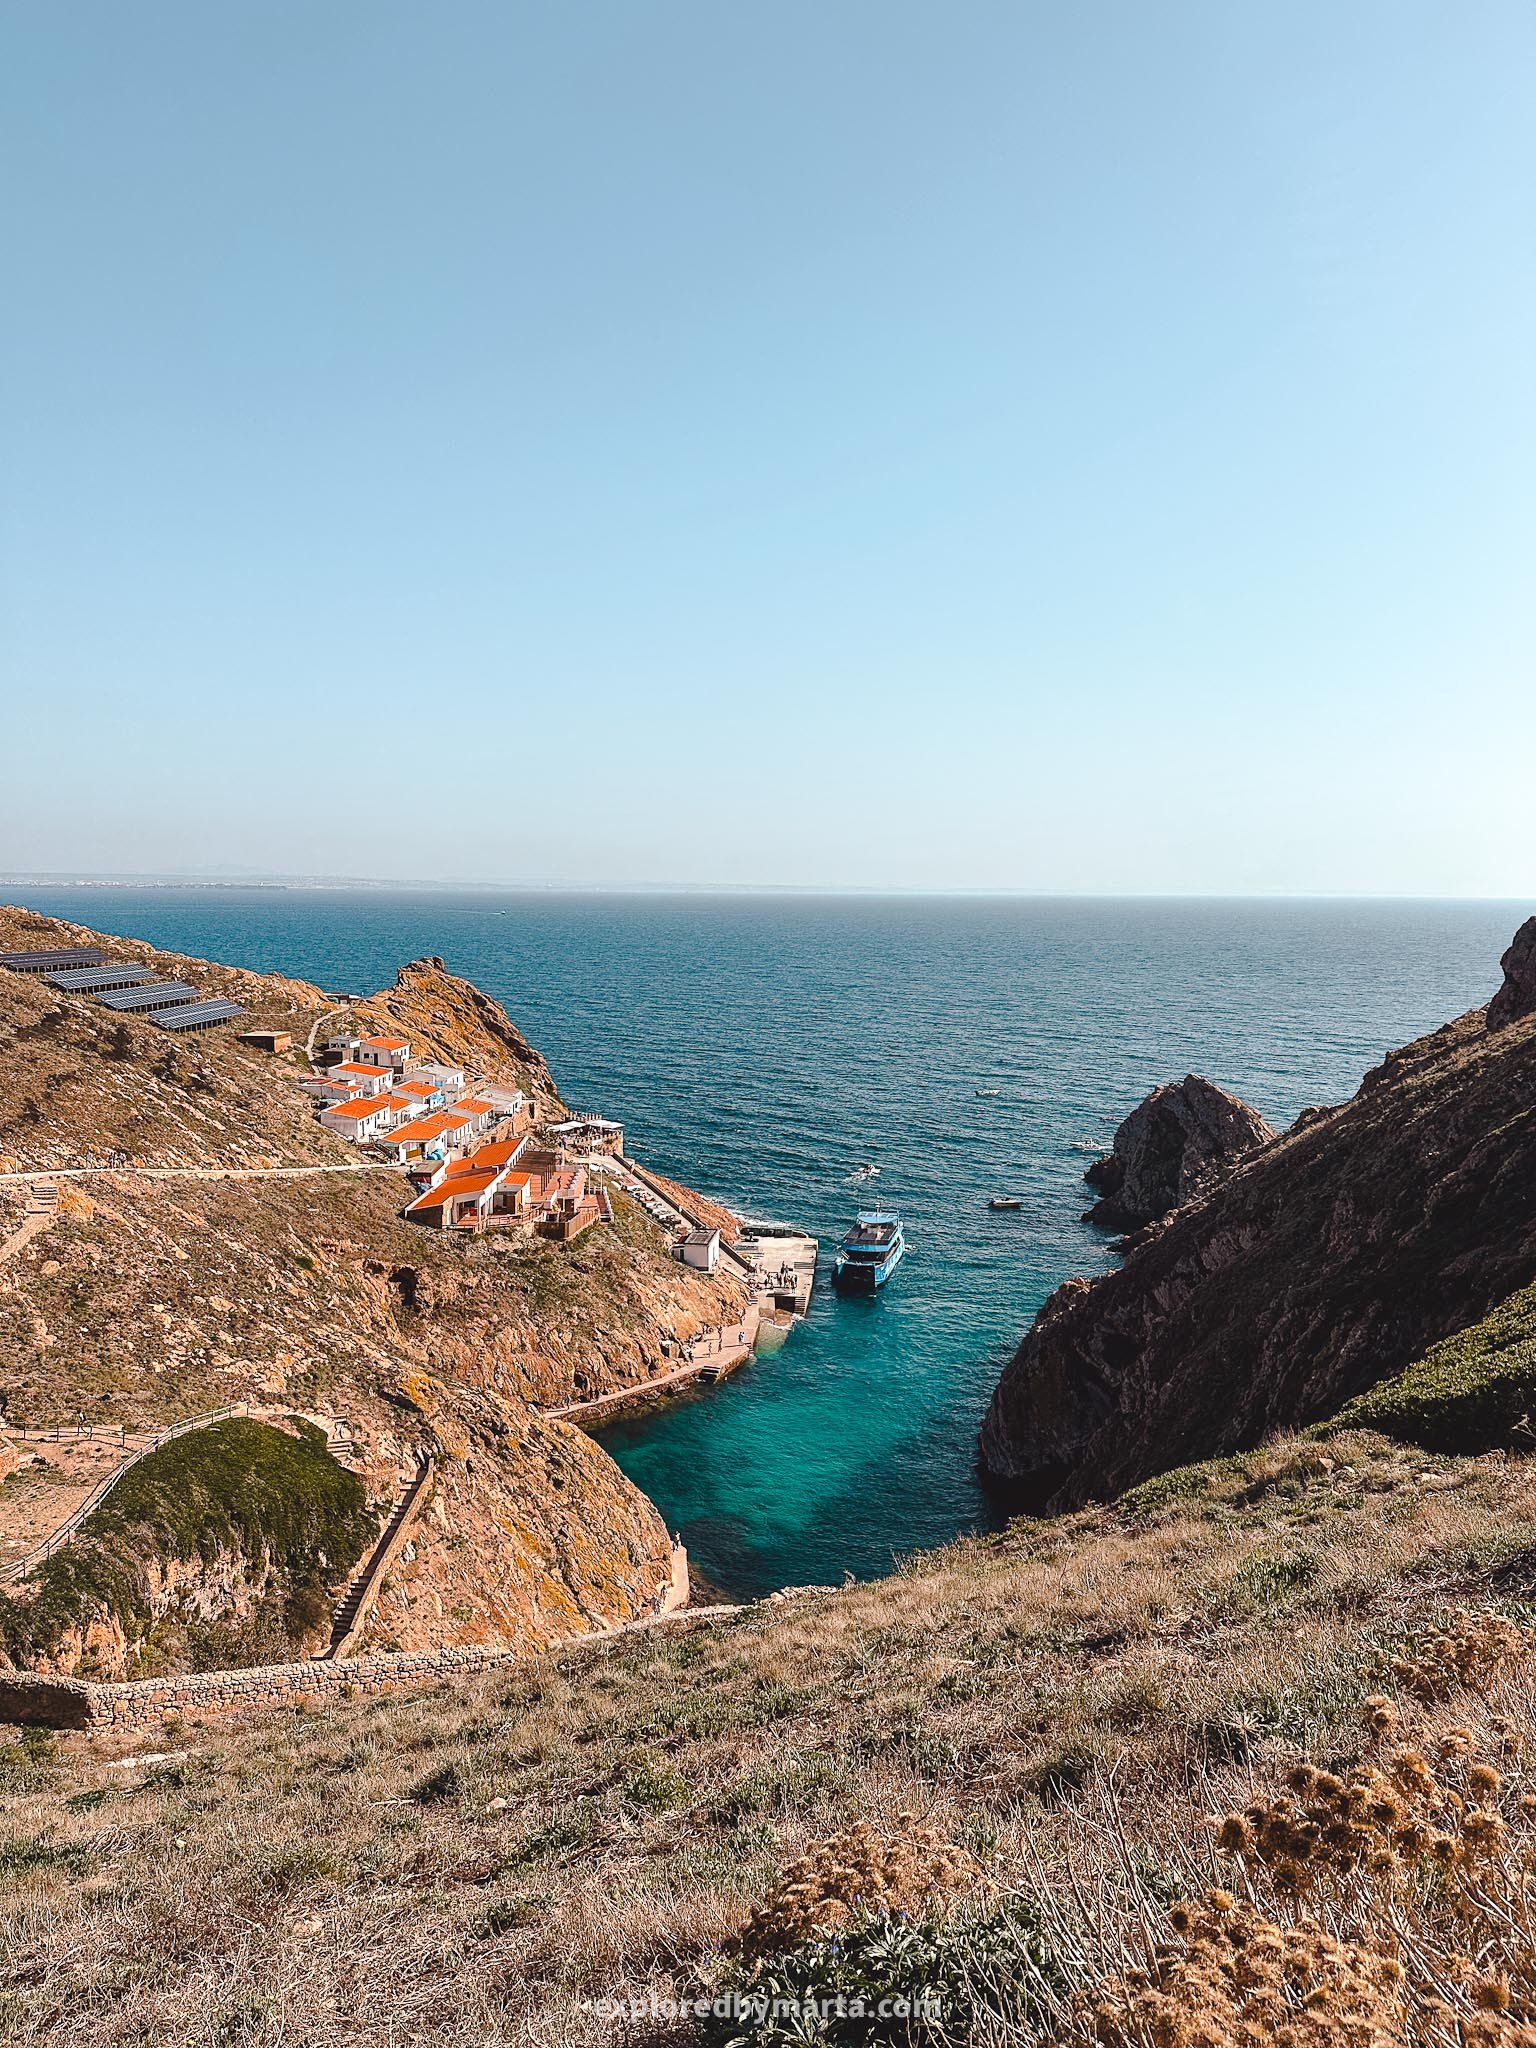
column 466, row 1145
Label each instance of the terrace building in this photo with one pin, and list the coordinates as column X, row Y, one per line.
column 428, row 1137
column 586, row 1135
column 361, row 1121
column 393, row 1053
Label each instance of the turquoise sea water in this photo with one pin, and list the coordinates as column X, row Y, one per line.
column 761, row 1047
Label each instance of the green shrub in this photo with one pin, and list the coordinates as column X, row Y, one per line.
column 944, row 1976
column 239, row 1488
column 1472, row 1392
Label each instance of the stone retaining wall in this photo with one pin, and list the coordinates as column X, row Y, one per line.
column 43, row 1700
column 40, row 1700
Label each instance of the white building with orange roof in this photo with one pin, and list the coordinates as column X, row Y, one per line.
column 429, row 1137
column 367, row 1078
column 361, row 1121
column 463, row 1199
column 479, row 1109
column 449, row 1079
column 426, row 1094
column 394, row 1053
column 327, row 1088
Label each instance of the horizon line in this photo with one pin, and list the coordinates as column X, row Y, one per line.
column 298, row 884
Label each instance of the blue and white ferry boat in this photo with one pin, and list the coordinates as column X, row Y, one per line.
column 870, row 1253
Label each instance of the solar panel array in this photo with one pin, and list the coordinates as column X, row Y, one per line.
column 86, row 981
column 196, row 1016
column 125, row 986
column 154, row 995
column 49, row 959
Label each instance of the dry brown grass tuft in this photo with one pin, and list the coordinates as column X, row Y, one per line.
column 912, row 1872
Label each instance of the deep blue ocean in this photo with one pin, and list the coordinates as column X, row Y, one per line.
column 760, row 1048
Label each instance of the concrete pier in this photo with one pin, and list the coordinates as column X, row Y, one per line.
column 784, row 1262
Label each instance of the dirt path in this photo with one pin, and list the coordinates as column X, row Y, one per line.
column 714, row 1351
column 314, row 1030
column 201, row 1172
column 131, row 1449
column 19, row 1239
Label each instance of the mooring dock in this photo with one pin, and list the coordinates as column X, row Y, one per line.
column 785, row 1262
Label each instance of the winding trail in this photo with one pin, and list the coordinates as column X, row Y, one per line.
column 324, row 1016
column 202, row 1172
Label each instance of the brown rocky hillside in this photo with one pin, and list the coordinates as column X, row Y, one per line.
column 1325, row 1263
column 149, row 1299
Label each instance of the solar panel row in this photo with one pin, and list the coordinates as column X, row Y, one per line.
column 195, row 1016
column 59, row 956
column 85, row 981
column 155, row 995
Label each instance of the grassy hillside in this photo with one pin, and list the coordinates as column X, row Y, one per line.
column 1051, row 1713
column 1475, row 1391
column 217, row 1549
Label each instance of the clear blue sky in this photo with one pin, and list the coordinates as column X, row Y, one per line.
column 932, row 443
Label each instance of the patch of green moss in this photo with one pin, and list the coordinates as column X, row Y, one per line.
column 1472, row 1392
column 278, row 1503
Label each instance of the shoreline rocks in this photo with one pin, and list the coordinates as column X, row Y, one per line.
column 1174, row 1145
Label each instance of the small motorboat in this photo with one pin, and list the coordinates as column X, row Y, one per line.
column 1005, row 1202
column 989, row 1091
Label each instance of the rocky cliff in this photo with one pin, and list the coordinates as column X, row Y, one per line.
column 1172, row 1146
column 155, row 1295
column 1325, row 1262
column 1516, row 995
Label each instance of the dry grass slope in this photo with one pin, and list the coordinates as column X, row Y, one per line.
column 1061, row 1706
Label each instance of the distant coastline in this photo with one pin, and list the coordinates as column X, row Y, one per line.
column 799, row 891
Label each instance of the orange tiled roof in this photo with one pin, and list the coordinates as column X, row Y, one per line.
column 355, row 1067
column 418, row 1088
column 388, row 1044
column 435, row 1126
column 370, row 1107
column 496, row 1155
column 448, row 1190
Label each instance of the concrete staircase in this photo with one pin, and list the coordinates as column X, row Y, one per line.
column 352, row 1609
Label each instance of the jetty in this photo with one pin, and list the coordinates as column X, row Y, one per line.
column 783, row 1263
column 707, row 1357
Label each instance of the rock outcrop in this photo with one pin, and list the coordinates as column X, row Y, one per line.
column 1516, row 997
column 1327, row 1261
column 1173, row 1146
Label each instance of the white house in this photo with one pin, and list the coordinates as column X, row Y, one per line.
column 361, row 1121
column 428, row 1137
column 366, row 1078
column 325, row 1088
column 701, row 1248
column 393, row 1053
column 449, row 1079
